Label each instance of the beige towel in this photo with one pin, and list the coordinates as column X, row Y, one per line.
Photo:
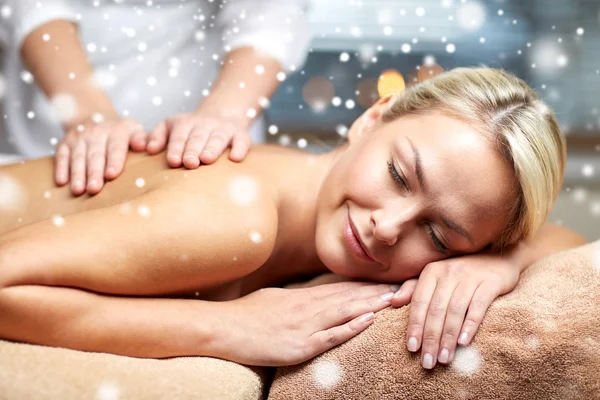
column 541, row 341
column 39, row 373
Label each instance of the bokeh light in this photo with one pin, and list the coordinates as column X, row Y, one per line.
column 390, row 81
column 318, row 93
column 367, row 92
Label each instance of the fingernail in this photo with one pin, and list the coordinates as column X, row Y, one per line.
column 93, row 182
column 427, row 361
column 387, row 296
column 175, row 158
column 412, row 344
column 444, row 354
column 111, row 170
column 207, row 152
column 397, row 294
column 367, row 317
column 463, row 339
column 395, row 288
column 77, row 184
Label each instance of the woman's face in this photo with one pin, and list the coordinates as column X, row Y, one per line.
column 409, row 192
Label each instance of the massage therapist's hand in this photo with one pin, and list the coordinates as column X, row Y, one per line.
column 449, row 301
column 96, row 149
column 198, row 137
column 277, row 327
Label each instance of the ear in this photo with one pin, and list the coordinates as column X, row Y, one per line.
column 370, row 117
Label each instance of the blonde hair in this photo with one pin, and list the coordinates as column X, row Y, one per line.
column 523, row 129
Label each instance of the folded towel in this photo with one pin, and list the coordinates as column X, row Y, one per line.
column 39, row 373
column 541, row 341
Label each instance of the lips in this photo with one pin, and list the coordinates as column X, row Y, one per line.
column 353, row 240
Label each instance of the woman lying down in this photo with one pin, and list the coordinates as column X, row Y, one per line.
column 450, row 182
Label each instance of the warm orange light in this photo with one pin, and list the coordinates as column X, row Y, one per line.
column 428, row 71
column 390, row 81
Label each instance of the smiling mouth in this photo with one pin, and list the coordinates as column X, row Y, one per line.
column 353, row 240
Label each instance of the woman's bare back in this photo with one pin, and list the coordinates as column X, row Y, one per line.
column 202, row 194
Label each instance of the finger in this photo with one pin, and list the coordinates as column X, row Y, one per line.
column 157, row 139
column 405, row 293
column 457, row 308
column 343, row 311
column 139, row 138
column 362, row 292
column 434, row 322
column 240, row 145
column 96, row 161
column 482, row 299
column 217, row 143
column 195, row 144
column 116, row 154
column 324, row 340
column 78, row 159
column 61, row 164
column 418, row 311
column 180, row 131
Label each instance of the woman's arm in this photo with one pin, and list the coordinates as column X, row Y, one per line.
column 81, row 320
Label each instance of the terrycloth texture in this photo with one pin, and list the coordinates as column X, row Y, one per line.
column 40, row 373
column 541, row 341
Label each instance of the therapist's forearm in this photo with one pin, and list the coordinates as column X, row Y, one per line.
column 80, row 320
column 54, row 55
column 549, row 239
column 239, row 87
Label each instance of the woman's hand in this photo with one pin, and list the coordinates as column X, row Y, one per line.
column 277, row 327
column 197, row 137
column 449, row 301
column 96, row 150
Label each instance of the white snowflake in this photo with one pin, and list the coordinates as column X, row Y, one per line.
column 467, row 360
column 471, row 16
column 64, row 107
column 341, row 130
column 243, row 190
column 420, row 11
column 5, row 11
column 406, row 48
column 26, row 76
column 336, row 101
column 273, row 129
column 256, row 237
column 107, row 391
column 143, row 210
column 344, row 57
column 326, row 374
column 140, row 182
column 450, row 48
column 58, row 220
column 14, row 195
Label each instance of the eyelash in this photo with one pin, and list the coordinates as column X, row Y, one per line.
column 396, row 176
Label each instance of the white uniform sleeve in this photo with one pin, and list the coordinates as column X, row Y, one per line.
column 19, row 17
column 277, row 27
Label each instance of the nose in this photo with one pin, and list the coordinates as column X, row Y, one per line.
column 390, row 223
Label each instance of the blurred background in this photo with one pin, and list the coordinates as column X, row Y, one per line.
column 363, row 48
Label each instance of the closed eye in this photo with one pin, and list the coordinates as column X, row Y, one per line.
column 436, row 241
column 394, row 172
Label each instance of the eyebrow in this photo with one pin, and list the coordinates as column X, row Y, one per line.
column 421, row 179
